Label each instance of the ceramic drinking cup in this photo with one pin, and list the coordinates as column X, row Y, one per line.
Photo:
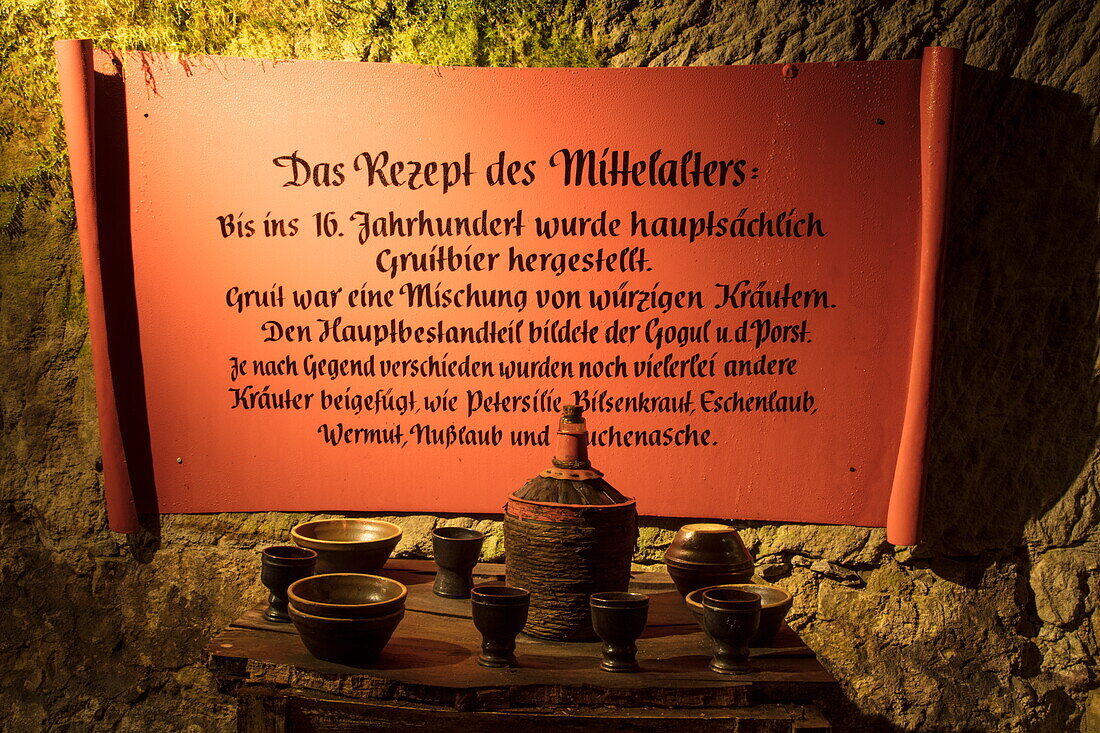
column 280, row 566
column 619, row 619
column 730, row 618
column 499, row 612
column 456, row 551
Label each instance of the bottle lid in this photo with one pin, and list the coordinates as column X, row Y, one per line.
column 572, row 413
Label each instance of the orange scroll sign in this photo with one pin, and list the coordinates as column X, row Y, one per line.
column 371, row 287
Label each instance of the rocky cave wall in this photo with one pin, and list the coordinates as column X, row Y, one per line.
column 990, row 624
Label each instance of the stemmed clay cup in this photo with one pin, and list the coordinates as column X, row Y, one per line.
column 730, row 618
column 619, row 619
column 500, row 612
column 456, row 551
column 279, row 567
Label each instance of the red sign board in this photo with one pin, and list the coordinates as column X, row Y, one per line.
column 353, row 286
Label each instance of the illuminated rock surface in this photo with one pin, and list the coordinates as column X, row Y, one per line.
column 992, row 624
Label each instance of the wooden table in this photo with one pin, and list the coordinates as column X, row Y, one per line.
column 428, row 677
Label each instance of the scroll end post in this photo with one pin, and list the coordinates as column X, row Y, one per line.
column 939, row 81
column 77, row 85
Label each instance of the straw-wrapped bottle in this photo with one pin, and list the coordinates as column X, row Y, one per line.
column 568, row 533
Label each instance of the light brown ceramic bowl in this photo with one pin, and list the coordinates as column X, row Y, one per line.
column 774, row 605
column 347, row 595
column 348, row 545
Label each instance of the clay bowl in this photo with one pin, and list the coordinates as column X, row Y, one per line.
column 348, row 545
column 347, row 595
column 774, row 605
column 710, row 545
column 345, row 640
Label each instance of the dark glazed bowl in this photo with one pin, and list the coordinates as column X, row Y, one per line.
column 348, row 545
column 345, row 640
column 774, row 605
column 347, row 595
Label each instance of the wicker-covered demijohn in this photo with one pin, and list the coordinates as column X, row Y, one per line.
column 567, row 534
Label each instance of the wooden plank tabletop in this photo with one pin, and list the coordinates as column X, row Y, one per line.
column 432, row 659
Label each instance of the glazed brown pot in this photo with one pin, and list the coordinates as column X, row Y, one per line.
column 710, row 545
column 347, row 595
column 706, row 554
column 345, row 640
column 774, row 605
column 348, row 545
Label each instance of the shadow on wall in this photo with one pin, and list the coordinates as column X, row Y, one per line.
column 120, row 304
column 1014, row 414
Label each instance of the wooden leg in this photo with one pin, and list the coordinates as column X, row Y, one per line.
column 261, row 709
column 813, row 722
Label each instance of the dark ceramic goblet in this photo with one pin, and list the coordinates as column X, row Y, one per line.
column 619, row 619
column 456, row 551
column 279, row 567
column 730, row 618
column 500, row 612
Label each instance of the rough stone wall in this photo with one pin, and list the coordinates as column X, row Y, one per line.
column 990, row 624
